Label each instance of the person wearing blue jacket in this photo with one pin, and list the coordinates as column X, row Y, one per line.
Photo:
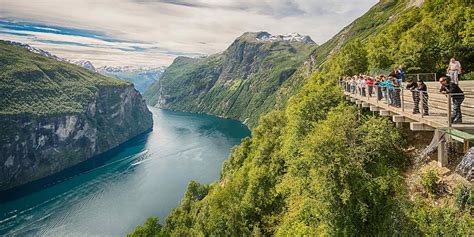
column 389, row 87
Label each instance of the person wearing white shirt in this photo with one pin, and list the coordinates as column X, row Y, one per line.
column 454, row 69
column 362, row 86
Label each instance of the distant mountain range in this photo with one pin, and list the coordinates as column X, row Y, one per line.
column 141, row 77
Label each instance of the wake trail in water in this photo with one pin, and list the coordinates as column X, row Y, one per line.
column 89, row 191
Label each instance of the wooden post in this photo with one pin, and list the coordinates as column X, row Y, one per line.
column 467, row 146
column 442, row 153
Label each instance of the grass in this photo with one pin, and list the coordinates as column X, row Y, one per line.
column 32, row 84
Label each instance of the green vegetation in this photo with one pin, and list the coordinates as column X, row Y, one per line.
column 423, row 39
column 151, row 228
column 32, row 84
column 430, row 181
column 440, row 221
column 468, row 76
column 316, row 168
column 240, row 83
column 464, row 197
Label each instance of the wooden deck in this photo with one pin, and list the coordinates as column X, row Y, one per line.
column 438, row 108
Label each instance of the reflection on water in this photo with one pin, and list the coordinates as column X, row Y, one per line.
column 112, row 193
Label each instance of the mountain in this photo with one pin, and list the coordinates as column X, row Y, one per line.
column 321, row 167
column 54, row 115
column 84, row 63
column 293, row 37
column 141, row 77
column 240, row 83
column 37, row 50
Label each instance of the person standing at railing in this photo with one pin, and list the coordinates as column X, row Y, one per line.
column 362, row 84
column 353, row 85
column 389, row 90
column 454, row 69
column 347, row 84
column 400, row 75
column 457, row 96
column 423, row 91
column 359, row 92
column 396, row 93
column 415, row 95
column 378, row 88
column 370, row 85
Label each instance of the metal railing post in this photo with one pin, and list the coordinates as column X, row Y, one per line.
column 402, row 99
column 449, row 111
column 420, row 102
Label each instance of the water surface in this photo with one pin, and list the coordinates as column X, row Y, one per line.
column 111, row 194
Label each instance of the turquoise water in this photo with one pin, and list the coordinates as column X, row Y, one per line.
column 111, row 194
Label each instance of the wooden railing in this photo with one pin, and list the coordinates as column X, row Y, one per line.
column 439, row 105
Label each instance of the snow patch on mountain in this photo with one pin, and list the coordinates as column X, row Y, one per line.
column 292, row 37
column 37, row 51
column 83, row 63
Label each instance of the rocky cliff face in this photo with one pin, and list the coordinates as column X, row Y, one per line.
column 35, row 147
column 240, row 83
column 54, row 115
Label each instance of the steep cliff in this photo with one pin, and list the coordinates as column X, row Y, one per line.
column 239, row 83
column 54, row 115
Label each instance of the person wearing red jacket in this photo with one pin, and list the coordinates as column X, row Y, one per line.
column 370, row 85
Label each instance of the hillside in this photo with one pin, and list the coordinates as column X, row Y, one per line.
column 54, row 114
column 318, row 167
column 239, row 83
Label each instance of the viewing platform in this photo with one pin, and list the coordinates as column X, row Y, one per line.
column 438, row 118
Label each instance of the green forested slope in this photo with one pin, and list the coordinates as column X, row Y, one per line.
column 423, row 39
column 36, row 85
column 317, row 167
column 239, row 83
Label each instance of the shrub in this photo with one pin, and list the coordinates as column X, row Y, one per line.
column 151, row 228
column 468, row 76
column 464, row 197
column 430, row 180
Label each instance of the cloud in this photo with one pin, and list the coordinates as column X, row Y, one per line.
column 164, row 29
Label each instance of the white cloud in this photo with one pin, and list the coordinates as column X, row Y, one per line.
column 194, row 27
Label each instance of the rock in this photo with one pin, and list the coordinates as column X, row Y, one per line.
column 466, row 166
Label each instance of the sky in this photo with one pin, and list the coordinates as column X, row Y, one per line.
column 154, row 32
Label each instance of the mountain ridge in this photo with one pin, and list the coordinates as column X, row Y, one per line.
column 234, row 83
